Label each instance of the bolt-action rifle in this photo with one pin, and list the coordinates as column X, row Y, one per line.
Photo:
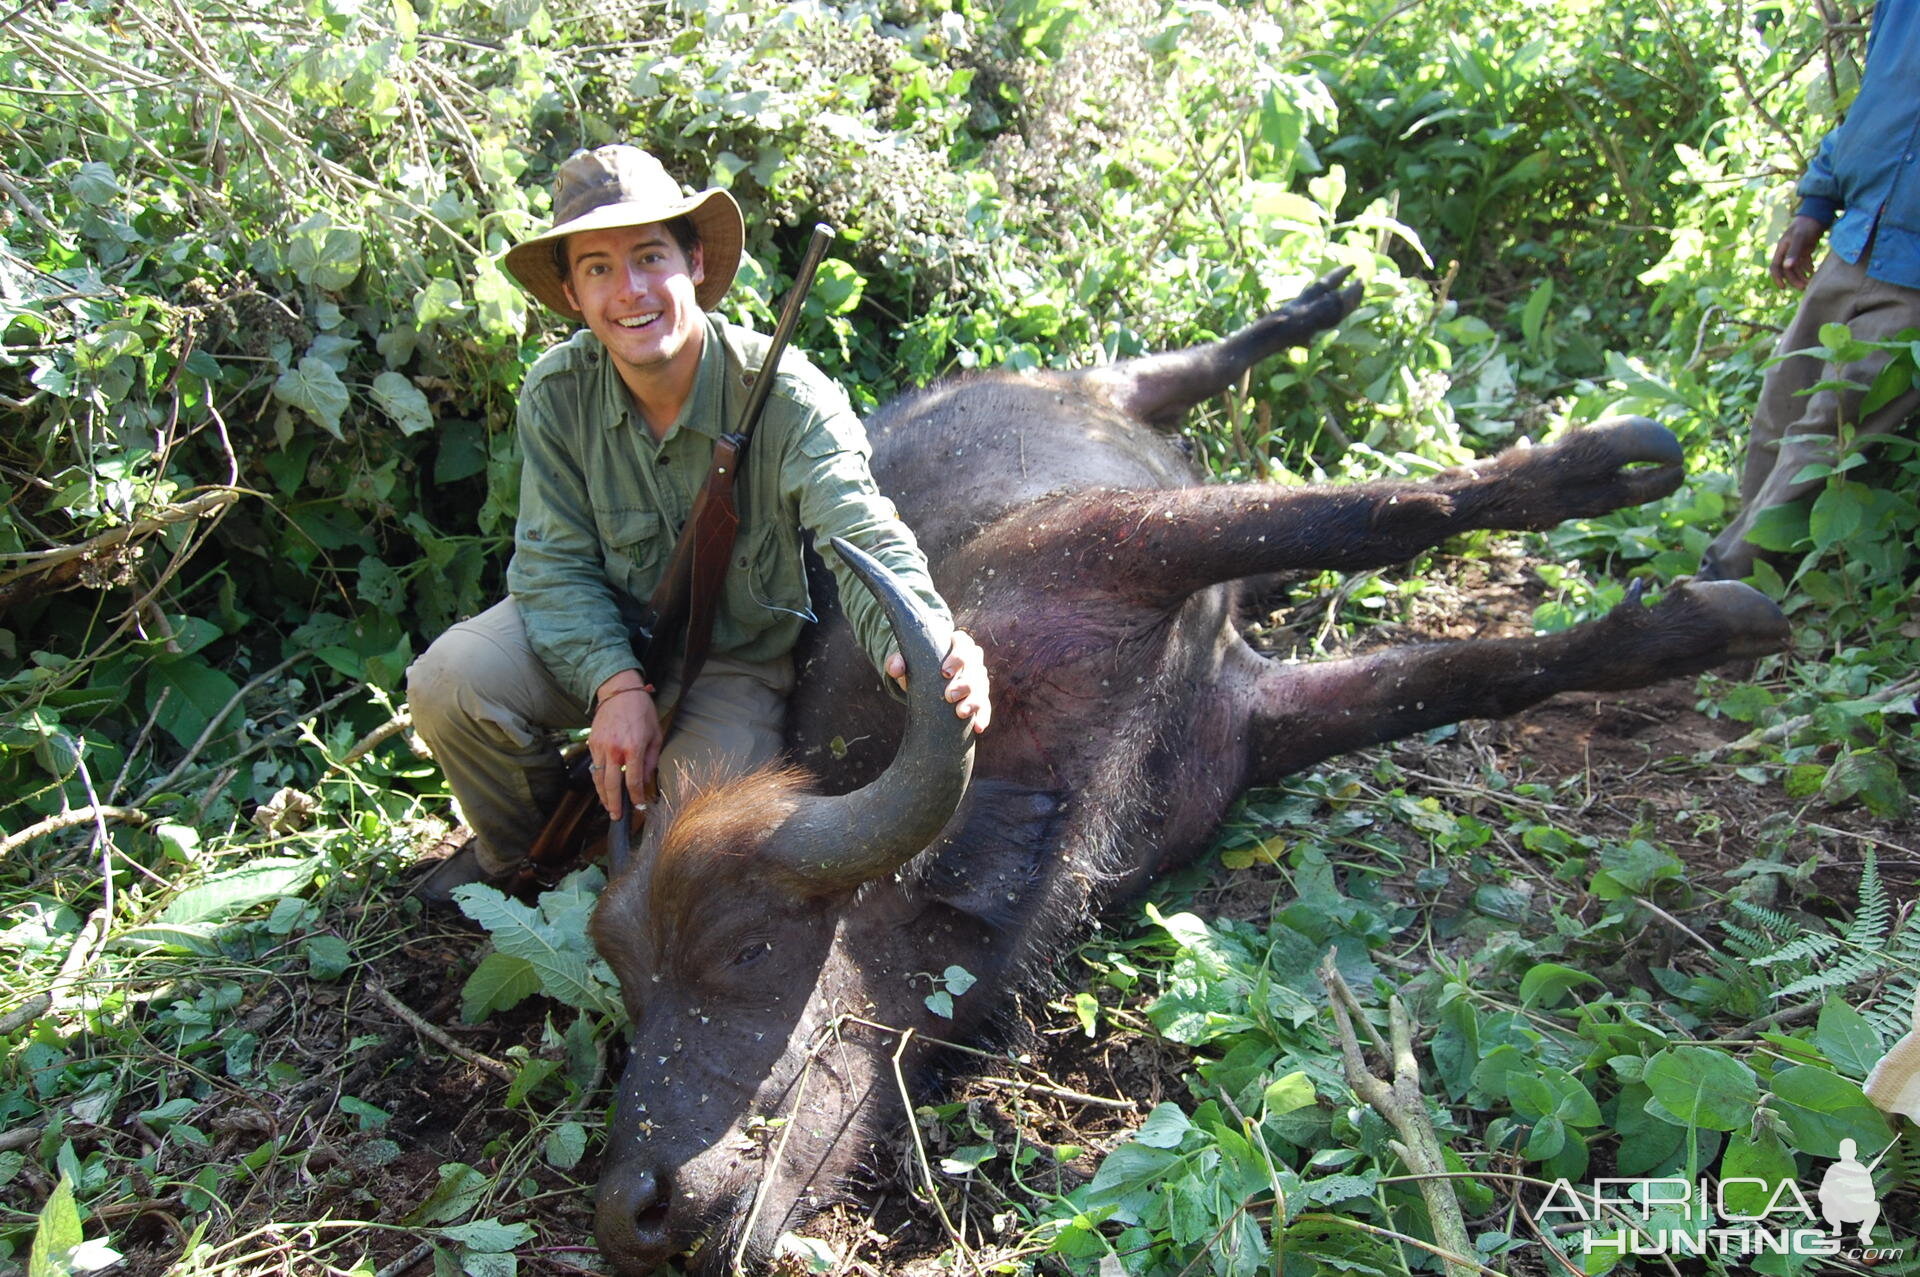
column 679, row 614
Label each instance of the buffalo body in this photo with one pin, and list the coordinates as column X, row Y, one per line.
column 773, row 979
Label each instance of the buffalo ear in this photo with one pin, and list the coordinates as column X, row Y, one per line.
column 988, row 859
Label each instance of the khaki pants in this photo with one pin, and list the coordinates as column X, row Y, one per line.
column 1873, row 310
column 492, row 714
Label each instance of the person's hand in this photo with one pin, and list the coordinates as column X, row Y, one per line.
column 1793, row 255
column 965, row 670
column 624, row 740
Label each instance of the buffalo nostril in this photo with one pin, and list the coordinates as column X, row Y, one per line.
column 631, row 1218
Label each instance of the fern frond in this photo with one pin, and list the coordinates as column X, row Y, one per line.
column 1771, row 919
column 1868, row 930
column 1838, row 974
column 1804, row 948
column 1892, row 1011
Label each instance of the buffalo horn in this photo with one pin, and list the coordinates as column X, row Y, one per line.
column 836, row 843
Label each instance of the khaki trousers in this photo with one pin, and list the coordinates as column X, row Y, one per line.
column 492, row 714
column 1873, row 310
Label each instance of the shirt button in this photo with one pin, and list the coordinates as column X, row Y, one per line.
column 665, row 460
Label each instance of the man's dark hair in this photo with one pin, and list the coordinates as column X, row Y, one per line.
column 681, row 228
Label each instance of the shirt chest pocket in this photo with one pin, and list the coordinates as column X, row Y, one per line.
column 768, row 580
column 632, row 547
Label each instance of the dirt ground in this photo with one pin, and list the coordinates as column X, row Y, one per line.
column 1618, row 765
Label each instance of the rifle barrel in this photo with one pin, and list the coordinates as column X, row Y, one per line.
column 783, row 328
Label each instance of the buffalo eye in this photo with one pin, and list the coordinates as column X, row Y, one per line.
column 752, row 953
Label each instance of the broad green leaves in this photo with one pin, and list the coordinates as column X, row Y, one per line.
column 541, row 948
column 315, row 389
column 60, row 1248
column 1700, row 1086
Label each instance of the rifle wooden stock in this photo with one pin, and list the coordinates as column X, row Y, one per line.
column 683, row 604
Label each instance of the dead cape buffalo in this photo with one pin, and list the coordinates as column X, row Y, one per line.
column 771, row 936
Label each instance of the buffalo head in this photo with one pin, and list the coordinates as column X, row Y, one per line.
column 734, row 1102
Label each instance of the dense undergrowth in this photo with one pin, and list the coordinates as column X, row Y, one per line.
column 258, row 370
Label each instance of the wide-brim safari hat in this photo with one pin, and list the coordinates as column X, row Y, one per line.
column 615, row 186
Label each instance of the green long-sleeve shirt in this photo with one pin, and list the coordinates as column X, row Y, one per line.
column 602, row 503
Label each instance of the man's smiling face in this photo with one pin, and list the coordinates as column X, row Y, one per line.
column 634, row 285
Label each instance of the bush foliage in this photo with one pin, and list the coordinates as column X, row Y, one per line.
column 258, row 363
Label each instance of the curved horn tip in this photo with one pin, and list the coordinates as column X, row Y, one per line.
column 903, row 608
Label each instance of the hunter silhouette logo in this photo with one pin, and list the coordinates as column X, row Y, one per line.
column 1672, row 1215
column 1846, row 1192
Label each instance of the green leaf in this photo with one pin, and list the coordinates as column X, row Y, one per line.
column 1704, row 1087
column 958, row 980
column 489, row 1236
column 372, row 1117
column 1822, row 1108
column 1836, row 514
column 460, row 1189
column 483, row 1263
column 940, row 1002
column 1780, row 527
column 195, row 692
column 1165, row 1127
column 1282, row 209
column 322, row 254
column 499, row 304
column 315, row 389
column 57, row 1233
column 1086, row 1008
column 380, row 586
column 837, row 287
column 328, row 956
column 179, row 842
column 402, row 401
column 1128, row 1178
column 562, row 959
column 1285, row 1094
column 530, row 1075
column 1764, row 1158
column 197, row 937
column 1550, row 1092
column 225, row 894
column 816, row 1255
column 1547, row 982
column 1848, row 1039
column 440, row 299
column 94, row 183
column 500, row 982
column 1872, row 777
column 968, row 1158
column 566, row 1145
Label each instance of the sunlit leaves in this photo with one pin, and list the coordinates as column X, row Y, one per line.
column 313, row 387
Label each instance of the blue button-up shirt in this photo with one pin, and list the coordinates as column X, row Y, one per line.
column 1866, row 172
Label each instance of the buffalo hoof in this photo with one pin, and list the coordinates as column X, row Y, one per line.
column 1630, row 460
column 1619, row 462
column 1755, row 625
column 1694, row 627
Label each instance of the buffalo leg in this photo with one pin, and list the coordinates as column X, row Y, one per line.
column 1305, row 713
column 1158, row 389
column 1159, row 546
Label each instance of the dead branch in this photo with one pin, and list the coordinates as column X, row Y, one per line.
column 1402, row 1105
column 437, row 1035
column 68, row 820
column 60, row 567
